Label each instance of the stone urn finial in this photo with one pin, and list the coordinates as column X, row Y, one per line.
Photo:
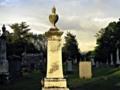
column 53, row 17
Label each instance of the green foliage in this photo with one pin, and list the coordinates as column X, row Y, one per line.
column 107, row 41
column 39, row 40
column 19, row 39
column 70, row 47
column 90, row 54
column 20, row 31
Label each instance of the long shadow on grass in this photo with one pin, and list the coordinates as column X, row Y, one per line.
column 103, row 79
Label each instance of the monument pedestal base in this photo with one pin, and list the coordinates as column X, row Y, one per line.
column 55, row 84
column 55, row 88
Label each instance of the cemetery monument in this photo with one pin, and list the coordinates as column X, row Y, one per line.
column 85, row 70
column 111, row 57
column 69, row 68
column 4, row 65
column 54, row 79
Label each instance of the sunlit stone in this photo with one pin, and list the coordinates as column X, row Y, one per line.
column 54, row 79
column 85, row 70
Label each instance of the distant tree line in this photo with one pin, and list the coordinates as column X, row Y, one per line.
column 108, row 40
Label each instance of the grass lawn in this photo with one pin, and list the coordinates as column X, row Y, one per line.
column 104, row 78
column 29, row 81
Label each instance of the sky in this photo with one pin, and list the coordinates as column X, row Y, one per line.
column 83, row 18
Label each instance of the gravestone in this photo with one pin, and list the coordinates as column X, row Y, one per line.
column 97, row 64
column 85, row 70
column 31, row 61
column 111, row 57
column 107, row 63
column 15, row 66
column 4, row 65
column 118, row 59
column 92, row 61
column 101, row 63
column 69, row 62
column 54, row 79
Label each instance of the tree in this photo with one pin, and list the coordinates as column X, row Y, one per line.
column 107, row 39
column 40, row 42
column 70, row 47
column 20, row 31
column 19, row 39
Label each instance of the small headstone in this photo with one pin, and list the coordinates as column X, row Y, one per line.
column 92, row 61
column 85, row 70
column 117, row 55
column 97, row 64
column 107, row 62
column 69, row 65
column 75, row 61
column 4, row 64
column 101, row 63
column 111, row 63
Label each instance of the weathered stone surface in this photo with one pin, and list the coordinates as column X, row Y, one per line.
column 85, row 70
column 54, row 79
column 4, row 65
column 55, row 82
column 55, row 88
column 54, row 64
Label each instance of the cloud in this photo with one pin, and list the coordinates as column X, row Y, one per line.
column 8, row 3
column 103, row 22
column 69, row 23
column 81, row 17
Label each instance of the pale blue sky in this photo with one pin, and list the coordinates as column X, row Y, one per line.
column 81, row 17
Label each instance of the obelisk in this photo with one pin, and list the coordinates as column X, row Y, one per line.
column 4, row 65
column 54, row 79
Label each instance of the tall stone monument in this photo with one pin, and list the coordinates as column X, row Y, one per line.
column 54, row 79
column 4, row 66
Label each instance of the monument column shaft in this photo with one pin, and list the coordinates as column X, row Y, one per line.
column 54, row 61
column 3, row 49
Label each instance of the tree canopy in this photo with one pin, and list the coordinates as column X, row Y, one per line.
column 19, row 39
column 70, row 47
column 108, row 40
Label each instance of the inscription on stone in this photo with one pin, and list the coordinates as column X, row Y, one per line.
column 55, row 46
column 54, row 67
